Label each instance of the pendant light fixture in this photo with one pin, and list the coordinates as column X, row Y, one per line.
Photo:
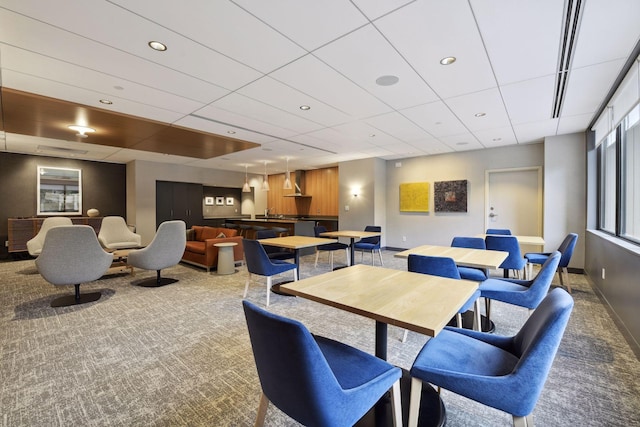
column 265, row 178
column 287, row 178
column 245, row 187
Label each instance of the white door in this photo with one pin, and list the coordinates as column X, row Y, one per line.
column 514, row 201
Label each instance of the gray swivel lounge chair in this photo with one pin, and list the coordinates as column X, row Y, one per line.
column 164, row 251
column 72, row 255
column 34, row 246
column 115, row 234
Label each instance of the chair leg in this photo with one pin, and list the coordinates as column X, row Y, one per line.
column 331, row 260
column 487, row 308
column 523, row 421
column 564, row 274
column 404, row 335
column 268, row 289
column 373, row 257
column 414, row 401
column 458, row 320
column 262, row 410
column 295, row 274
column 346, row 250
column 317, row 254
column 396, row 406
column 380, row 254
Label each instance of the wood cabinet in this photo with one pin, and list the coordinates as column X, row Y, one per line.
column 21, row 230
column 320, row 189
column 178, row 200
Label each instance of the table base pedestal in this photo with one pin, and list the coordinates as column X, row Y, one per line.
column 276, row 289
column 467, row 322
column 432, row 410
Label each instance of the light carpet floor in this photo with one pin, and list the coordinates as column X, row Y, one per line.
column 179, row 355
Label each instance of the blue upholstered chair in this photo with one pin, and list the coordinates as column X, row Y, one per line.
column 164, row 251
column 515, row 261
column 330, row 247
column 259, row 263
column 566, row 250
column 445, row 267
column 523, row 293
column 369, row 244
column 499, row 231
column 506, row 373
column 471, row 273
column 71, row 255
column 315, row 380
column 274, row 252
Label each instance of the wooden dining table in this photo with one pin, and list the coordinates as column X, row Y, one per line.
column 523, row 240
column 352, row 235
column 466, row 257
column 296, row 243
column 418, row 302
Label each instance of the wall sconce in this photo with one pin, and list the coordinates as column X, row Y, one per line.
column 355, row 191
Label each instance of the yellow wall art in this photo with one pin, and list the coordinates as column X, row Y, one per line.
column 414, row 197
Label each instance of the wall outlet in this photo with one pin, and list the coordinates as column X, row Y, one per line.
column 404, row 238
column 602, row 273
column 346, row 208
column 6, row 243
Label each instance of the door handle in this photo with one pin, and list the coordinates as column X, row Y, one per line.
column 491, row 215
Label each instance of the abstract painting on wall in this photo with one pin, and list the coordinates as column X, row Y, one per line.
column 414, row 197
column 450, row 196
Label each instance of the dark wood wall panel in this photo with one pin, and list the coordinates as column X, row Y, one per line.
column 103, row 187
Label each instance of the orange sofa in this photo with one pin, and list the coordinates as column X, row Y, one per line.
column 200, row 249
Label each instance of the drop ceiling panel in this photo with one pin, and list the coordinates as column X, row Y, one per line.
column 67, row 47
column 261, row 111
column 588, row 87
column 62, row 91
column 463, row 142
column 436, row 118
column 309, row 75
column 496, row 137
column 222, row 129
column 530, row 100
column 535, row 131
column 425, row 32
column 365, row 55
column 306, row 22
column 534, row 29
column 224, row 27
column 573, row 124
column 399, row 126
column 283, row 97
column 376, row 8
column 608, row 31
column 488, row 102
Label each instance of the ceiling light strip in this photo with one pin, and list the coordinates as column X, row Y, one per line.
column 572, row 20
column 261, row 133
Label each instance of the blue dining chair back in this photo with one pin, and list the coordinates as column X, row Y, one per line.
column 315, row 380
column 506, row 373
column 523, row 293
column 515, row 260
column 471, row 273
column 499, row 231
column 329, row 247
column 566, row 249
column 444, row 267
column 259, row 263
column 370, row 244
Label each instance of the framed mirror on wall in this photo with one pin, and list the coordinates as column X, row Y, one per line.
column 59, row 191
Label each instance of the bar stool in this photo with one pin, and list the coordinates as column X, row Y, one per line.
column 230, row 225
column 244, row 230
column 255, row 229
column 281, row 231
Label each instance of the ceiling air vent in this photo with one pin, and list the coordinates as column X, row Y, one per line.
column 573, row 15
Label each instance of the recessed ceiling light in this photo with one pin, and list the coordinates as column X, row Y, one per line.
column 480, row 114
column 106, row 101
column 305, row 107
column 497, row 139
column 387, row 80
column 231, row 132
column 448, row 60
column 82, row 130
column 373, row 135
column 161, row 47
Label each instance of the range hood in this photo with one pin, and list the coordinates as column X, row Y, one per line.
column 298, row 183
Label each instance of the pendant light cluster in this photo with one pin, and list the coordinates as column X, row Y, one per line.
column 265, row 178
column 287, row 178
column 245, row 187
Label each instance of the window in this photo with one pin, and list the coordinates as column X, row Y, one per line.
column 630, row 176
column 608, row 183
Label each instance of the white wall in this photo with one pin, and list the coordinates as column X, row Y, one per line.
column 565, row 192
column 141, row 190
column 440, row 228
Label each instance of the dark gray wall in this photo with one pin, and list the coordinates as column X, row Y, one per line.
column 103, row 187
